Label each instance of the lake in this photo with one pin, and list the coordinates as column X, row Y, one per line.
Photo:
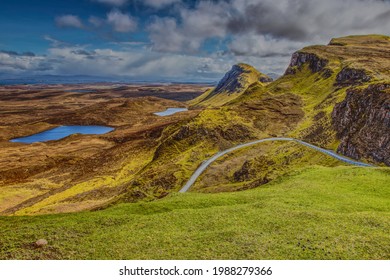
column 170, row 111
column 62, row 132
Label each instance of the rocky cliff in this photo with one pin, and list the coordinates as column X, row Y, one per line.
column 362, row 122
column 299, row 59
column 346, row 89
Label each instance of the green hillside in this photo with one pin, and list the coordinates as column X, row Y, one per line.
column 313, row 213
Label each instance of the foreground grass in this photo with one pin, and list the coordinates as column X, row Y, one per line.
column 316, row 213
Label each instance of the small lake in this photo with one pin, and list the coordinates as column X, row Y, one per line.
column 62, row 132
column 170, row 111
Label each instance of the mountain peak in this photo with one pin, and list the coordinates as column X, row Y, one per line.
column 233, row 84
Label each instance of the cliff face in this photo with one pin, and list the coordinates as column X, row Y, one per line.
column 362, row 123
column 298, row 59
column 352, row 77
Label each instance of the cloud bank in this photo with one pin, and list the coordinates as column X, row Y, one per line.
column 121, row 22
column 194, row 40
column 268, row 27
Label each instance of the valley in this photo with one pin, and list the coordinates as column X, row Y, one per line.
column 30, row 173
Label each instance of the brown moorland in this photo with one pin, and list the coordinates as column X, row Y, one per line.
column 30, row 173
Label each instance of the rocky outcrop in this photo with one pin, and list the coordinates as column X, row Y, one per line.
column 298, row 59
column 350, row 76
column 265, row 79
column 237, row 79
column 244, row 173
column 231, row 82
column 362, row 123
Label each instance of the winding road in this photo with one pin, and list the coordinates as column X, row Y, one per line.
column 206, row 163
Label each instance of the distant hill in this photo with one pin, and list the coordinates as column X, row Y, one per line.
column 51, row 79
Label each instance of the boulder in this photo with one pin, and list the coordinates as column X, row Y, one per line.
column 41, row 243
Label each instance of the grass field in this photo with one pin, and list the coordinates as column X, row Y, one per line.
column 314, row 213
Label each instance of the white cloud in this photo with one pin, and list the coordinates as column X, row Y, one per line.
column 132, row 61
column 303, row 20
column 14, row 63
column 121, row 22
column 166, row 36
column 69, row 21
column 262, row 46
column 262, row 33
column 208, row 20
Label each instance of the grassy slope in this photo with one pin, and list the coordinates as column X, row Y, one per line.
column 314, row 213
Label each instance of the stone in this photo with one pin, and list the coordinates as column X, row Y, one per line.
column 350, row 76
column 41, row 243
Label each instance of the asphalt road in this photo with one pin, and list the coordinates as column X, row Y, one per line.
column 206, row 163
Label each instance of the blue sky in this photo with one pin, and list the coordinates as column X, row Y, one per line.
column 172, row 39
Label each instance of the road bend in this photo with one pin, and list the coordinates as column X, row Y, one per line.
column 206, row 163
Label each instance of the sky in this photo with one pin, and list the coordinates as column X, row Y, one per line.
column 178, row 40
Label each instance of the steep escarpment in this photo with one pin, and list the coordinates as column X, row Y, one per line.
column 232, row 85
column 344, row 86
column 299, row 59
column 362, row 122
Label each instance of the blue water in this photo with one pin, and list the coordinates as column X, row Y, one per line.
column 62, row 132
column 170, row 111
